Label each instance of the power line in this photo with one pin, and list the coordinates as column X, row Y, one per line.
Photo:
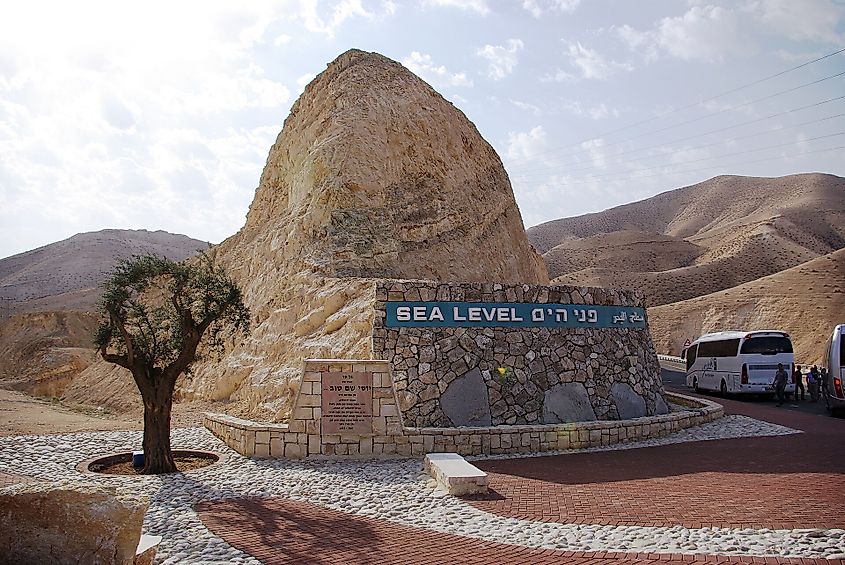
column 710, row 168
column 631, row 174
column 718, row 130
column 711, row 114
column 544, row 170
column 710, row 99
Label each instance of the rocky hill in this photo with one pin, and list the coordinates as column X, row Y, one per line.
column 807, row 301
column 699, row 239
column 374, row 175
column 47, row 299
column 66, row 275
column 682, row 247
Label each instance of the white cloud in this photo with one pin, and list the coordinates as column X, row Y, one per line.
column 594, row 111
column 814, row 20
column 303, row 80
column 532, row 6
column 343, row 11
column 704, row 33
column 423, row 65
column 707, row 33
column 478, row 6
column 501, row 59
column 527, row 107
column 538, row 7
column 591, row 64
column 526, row 145
column 282, row 39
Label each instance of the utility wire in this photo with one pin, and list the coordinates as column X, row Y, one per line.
column 709, row 115
column 627, row 174
column 712, row 167
column 697, row 135
column 710, row 99
column 544, row 171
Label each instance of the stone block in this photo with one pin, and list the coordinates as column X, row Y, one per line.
column 303, row 413
column 69, row 523
column 310, row 400
column 314, row 444
column 293, row 451
column 628, row 403
column 277, row 447
column 567, row 402
column 366, row 446
column 465, row 401
column 262, row 437
column 313, row 376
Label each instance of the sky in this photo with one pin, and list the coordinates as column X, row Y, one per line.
column 160, row 115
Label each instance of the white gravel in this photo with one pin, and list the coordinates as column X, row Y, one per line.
column 395, row 490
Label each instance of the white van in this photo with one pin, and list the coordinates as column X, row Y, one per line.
column 739, row 362
column 834, row 396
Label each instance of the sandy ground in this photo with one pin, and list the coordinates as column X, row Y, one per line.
column 21, row 414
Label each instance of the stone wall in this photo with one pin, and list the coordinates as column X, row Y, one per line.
column 303, row 435
column 482, row 376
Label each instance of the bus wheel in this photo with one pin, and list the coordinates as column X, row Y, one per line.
column 723, row 388
column 695, row 384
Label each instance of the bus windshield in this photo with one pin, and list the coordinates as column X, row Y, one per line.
column 769, row 345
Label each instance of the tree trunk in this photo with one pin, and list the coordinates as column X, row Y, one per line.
column 158, row 402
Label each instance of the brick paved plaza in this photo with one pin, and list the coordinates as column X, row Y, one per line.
column 781, row 482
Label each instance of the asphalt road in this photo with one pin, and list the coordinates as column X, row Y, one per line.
column 676, row 381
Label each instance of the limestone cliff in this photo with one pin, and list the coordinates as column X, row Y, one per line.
column 374, row 175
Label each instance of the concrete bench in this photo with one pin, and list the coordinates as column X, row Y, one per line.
column 455, row 474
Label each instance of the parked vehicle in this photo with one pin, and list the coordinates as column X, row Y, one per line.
column 738, row 362
column 832, row 387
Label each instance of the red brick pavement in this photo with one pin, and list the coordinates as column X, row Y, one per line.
column 794, row 481
column 279, row 531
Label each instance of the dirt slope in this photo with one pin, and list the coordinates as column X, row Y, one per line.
column 806, row 301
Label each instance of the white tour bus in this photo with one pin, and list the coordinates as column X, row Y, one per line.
column 834, row 396
column 739, row 362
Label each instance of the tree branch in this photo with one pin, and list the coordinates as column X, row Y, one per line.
column 121, row 360
column 130, row 350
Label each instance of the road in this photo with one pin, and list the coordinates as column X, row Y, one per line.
column 675, row 381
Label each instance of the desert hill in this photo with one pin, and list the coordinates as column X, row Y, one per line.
column 699, row 239
column 806, row 301
column 48, row 296
column 374, row 175
column 66, row 275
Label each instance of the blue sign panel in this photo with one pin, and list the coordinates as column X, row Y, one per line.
column 511, row 315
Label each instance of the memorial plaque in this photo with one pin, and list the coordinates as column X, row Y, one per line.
column 347, row 405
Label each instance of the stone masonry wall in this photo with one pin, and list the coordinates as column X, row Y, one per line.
column 465, row 376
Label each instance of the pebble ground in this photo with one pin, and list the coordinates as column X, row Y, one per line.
column 186, row 509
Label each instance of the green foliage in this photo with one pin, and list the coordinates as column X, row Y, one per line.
column 160, row 307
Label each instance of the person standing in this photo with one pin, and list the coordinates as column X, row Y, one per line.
column 814, row 388
column 799, row 381
column 813, row 385
column 780, row 384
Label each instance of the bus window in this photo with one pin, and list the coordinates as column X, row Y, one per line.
column 691, row 353
column 725, row 348
column 767, row 345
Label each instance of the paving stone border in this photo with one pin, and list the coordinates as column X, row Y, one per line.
column 302, row 436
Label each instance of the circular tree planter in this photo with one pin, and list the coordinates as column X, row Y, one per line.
column 187, row 460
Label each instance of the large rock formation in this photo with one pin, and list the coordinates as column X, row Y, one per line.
column 374, row 175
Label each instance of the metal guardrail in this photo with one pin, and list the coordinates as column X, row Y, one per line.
column 672, row 362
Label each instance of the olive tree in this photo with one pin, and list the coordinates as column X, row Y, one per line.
column 156, row 314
